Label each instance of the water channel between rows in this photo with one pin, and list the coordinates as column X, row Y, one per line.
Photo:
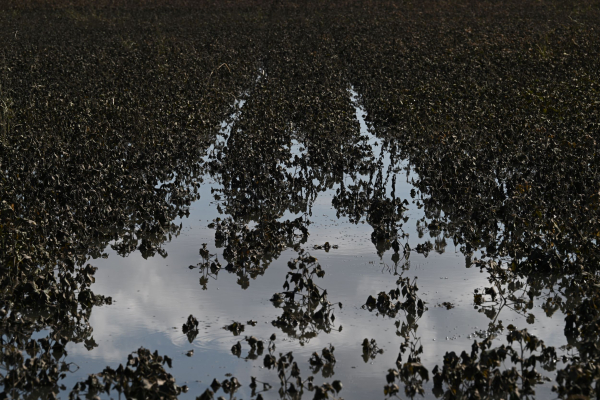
column 153, row 297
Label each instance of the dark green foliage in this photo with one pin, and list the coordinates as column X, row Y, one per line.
column 190, row 328
column 108, row 113
column 404, row 297
column 485, row 369
column 143, row 377
column 306, row 308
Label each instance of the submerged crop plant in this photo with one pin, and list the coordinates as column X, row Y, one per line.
column 413, row 127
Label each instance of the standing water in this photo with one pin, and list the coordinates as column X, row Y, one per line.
column 153, row 297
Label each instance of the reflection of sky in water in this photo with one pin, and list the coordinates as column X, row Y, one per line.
column 153, row 298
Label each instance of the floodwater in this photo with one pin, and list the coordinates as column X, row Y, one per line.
column 152, row 298
column 299, row 169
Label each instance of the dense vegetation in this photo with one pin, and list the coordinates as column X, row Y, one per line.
column 107, row 113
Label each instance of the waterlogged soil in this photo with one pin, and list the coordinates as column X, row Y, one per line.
column 293, row 200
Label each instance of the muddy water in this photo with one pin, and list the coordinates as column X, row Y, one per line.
column 153, row 297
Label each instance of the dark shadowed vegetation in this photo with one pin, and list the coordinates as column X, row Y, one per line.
column 112, row 115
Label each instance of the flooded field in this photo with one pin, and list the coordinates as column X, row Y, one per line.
column 292, row 200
